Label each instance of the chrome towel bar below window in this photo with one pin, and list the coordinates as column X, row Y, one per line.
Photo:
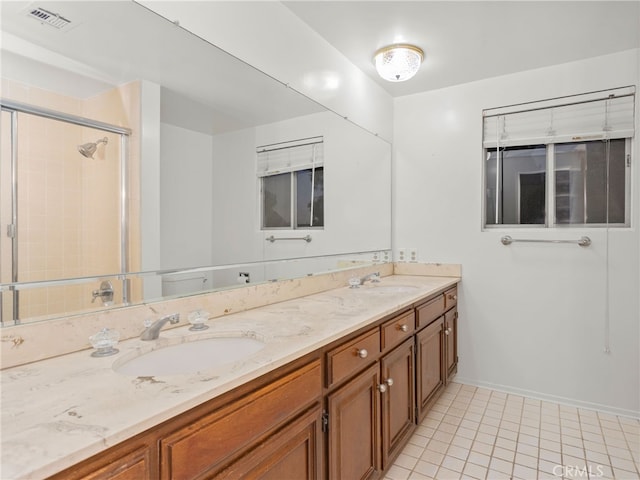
column 582, row 241
column 272, row 239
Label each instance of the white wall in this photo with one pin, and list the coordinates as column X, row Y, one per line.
column 185, row 181
column 532, row 316
column 236, row 235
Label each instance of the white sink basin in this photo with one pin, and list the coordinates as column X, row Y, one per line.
column 391, row 289
column 189, row 357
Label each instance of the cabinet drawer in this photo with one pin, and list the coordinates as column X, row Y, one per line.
column 397, row 329
column 431, row 310
column 451, row 298
column 352, row 356
column 209, row 442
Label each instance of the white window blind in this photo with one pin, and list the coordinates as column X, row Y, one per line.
column 292, row 156
column 600, row 115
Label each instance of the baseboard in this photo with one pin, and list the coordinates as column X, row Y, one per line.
column 551, row 398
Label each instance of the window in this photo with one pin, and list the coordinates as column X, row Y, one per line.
column 292, row 184
column 561, row 164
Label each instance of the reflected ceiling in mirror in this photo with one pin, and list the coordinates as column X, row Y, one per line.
column 111, row 43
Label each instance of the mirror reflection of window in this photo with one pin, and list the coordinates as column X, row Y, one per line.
column 292, row 184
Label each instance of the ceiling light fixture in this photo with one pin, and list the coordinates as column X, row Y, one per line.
column 397, row 63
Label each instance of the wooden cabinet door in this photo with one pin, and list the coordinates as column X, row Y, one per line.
column 430, row 359
column 118, row 464
column 294, row 452
column 354, row 428
column 398, row 400
column 451, row 336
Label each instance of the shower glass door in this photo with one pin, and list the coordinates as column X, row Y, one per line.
column 60, row 212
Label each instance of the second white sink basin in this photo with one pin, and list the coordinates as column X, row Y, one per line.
column 190, row 357
column 391, row 289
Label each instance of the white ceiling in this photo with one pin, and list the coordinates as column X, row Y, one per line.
column 463, row 42
column 466, row 41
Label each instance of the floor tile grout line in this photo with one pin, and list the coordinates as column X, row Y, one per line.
column 571, row 417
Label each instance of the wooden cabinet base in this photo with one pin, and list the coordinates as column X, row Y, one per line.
column 293, row 452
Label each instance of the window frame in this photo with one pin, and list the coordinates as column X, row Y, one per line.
column 290, row 158
column 293, row 198
column 550, row 191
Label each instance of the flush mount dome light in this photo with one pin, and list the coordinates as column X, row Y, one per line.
column 397, row 63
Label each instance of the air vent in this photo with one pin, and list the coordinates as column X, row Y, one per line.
column 47, row 18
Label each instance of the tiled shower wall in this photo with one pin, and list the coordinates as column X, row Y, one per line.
column 69, row 214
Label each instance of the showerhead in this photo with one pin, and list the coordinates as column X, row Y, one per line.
column 88, row 149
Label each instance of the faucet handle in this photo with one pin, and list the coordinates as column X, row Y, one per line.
column 103, row 342
column 197, row 319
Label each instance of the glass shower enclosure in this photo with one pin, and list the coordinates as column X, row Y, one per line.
column 63, row 210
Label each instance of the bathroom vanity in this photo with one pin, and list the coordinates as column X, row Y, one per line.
column 336, row 393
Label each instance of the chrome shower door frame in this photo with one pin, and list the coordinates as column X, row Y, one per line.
column 14, row 108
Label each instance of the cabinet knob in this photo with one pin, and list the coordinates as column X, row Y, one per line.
column 362, row 353
column 453, row 297
column 390, row 382
column 447, row 331
column 404, row 328
column 382, row 388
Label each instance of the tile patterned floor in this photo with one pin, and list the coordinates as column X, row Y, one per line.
column 476, row 433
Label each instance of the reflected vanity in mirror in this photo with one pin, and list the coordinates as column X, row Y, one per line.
column 137, row 165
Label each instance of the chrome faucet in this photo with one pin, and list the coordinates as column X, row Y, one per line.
column 373, row 277
column 153, row 330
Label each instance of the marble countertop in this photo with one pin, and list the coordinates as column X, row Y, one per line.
column 60, row 411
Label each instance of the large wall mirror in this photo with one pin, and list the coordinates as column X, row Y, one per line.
column 129, row 166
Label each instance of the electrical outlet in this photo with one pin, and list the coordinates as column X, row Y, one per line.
column 401, row 255
column 386, row 256
column 376, row 256
column 413, row 255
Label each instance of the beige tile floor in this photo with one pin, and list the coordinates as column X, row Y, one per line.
column 476, row 433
